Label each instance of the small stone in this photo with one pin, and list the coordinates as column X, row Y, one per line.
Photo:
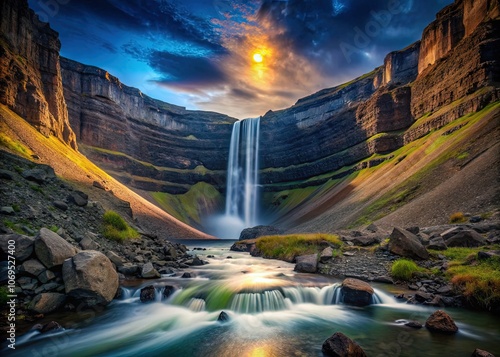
column 46, row 276
column 481, row 353
column 78, row 198
column 326, row 255
column 223, row 317
column 6, row 175
column 63, row 206
column 50, row 326
column 307, row 263
column 47, row 302
column 186, row 275
column 88, row 244
column 115, row 258
column 414, row 324
column 7, row 210
column 149, row 272
column 357, row 292
column 99, row 185
column 148, row 293
column 32, row 267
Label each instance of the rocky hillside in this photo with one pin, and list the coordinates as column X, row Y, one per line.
column 347, row 136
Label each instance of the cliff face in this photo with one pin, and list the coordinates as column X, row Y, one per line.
column 452, row 24
column 30, row 80
column 329, row 135
column 149, row 144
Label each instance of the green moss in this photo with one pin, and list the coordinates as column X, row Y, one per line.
column 115, row 228
column 404, row 269
column 14, row 145
column 9, row 224
column 189, row 207
column 288, row 247
column 478, row 280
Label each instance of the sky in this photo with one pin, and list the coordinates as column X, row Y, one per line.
column 240, row 58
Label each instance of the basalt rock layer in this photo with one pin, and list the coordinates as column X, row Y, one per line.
column 30, row 75
column 451, row 72
column 149, row 144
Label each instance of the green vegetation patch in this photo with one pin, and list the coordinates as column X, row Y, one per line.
column 288, row 247
column 404, row 269
column 477, row 279
column 458, row 217
column 14, row 145
column 115, row 228
column 189, row 207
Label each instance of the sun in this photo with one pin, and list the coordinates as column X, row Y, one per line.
column 257, row 57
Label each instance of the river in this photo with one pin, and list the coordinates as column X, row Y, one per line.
column 272, row 311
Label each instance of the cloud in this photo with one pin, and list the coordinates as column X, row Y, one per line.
column 186, row 70
column 202, row 54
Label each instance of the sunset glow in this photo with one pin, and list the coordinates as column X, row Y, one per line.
column 257, row 57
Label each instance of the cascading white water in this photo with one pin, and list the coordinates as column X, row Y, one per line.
column 243, row 172
column 242, row 182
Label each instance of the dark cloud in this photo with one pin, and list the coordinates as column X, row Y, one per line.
column 186, row 70
column 243, row 93
column 344, row 33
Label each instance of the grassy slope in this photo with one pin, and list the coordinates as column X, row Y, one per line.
column 77, row 169
column 410, row 172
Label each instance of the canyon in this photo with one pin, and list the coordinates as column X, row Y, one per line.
column 313, row 155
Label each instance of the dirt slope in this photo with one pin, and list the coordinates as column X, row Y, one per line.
column 76, row 168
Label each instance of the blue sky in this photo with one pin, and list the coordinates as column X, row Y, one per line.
column 200, row 54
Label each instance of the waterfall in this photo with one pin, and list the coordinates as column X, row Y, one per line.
column 243, row 172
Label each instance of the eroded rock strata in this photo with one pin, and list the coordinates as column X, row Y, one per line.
column 149, row 144
column 30, row 74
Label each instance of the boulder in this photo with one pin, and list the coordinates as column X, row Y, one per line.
column 40, row 174
column 259, row 231
column 148, row 293
column 128, row 269
column 307, row 263
column 24, row 246
column 440, row 321
column 466, row 238
column 46, row 276
column 32, row 267
column 187, row 275
column 450, row 232
column 168, row 291
column 357, row 292
column 483, row 255
column 481, row 353
column 78, row 198
column 339, row 345
column 51, row 249
column 90, row 278
column 406, row 244
column 149, row 272
column 46, row 303
column 437, row 244
column 326, row 255
column 363, row 241
column 372, row 228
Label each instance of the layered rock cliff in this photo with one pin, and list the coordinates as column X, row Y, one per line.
column 146, row 143
column 30, row 77
column 451, row 72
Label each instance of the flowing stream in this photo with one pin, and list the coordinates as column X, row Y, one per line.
column 272, row 311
